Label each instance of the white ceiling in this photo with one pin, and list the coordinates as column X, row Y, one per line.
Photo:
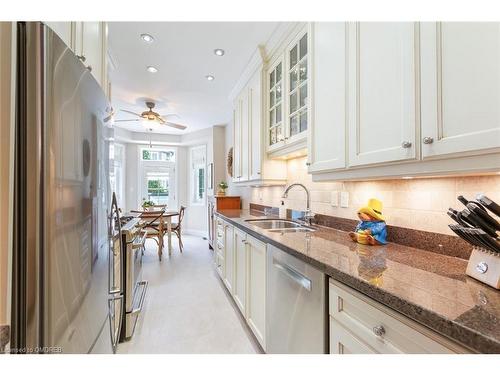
column 183, row 54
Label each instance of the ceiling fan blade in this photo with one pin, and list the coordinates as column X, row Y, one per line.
column 133, row 113
column 133, row 119
column 177, row 126
column 170, row 115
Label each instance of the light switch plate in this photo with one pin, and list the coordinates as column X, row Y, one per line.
column 334, row 198
column 344, row 199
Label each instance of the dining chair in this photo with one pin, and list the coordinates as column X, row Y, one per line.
column 176, row 227
column 154, row 226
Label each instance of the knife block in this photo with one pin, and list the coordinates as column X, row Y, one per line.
column 484, row 266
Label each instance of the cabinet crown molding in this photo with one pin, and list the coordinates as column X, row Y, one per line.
column 263, row 54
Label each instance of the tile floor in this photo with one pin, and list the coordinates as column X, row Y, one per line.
column 187, row 309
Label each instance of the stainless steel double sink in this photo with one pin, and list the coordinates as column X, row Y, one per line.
column 280, row 225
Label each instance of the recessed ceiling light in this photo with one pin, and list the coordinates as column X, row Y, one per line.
column 151, row 69
column 210, row 77
column 147, row 38
column 219, row 52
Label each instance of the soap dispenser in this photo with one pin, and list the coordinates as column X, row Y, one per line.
column 282, row 210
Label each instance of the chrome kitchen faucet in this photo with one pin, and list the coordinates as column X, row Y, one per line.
column 308, row 216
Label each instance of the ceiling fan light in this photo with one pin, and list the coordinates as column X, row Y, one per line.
column 152, row 69
column 147, row 38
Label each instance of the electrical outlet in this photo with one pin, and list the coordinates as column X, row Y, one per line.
column 344, row 199
column 334, row 198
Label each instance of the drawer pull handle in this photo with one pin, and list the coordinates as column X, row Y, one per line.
column 379, row 331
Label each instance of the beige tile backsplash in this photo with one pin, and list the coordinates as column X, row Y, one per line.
column 411, row 203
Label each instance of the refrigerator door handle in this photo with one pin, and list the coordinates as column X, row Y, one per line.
column 113, row 290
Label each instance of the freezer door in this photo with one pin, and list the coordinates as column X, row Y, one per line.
column 62, row 165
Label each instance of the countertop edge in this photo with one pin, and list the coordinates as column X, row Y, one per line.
column 448, row 328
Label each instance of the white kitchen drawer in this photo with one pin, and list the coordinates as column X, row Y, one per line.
column 362, row 317
column 344, row 342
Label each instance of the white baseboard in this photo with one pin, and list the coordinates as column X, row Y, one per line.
column 195, row 232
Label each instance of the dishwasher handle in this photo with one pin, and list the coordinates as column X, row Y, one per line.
column 294, row 275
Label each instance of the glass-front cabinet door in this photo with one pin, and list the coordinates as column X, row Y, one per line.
column 297, row 120
column 275, row 105
column 287, row 97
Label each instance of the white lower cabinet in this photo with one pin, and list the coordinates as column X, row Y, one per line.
column 361, row 325
column 343, row 342
column 256, row 290
column 240, row 269
column 229, row 257
column 244, row 275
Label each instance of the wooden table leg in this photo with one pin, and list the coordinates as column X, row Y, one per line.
column 169, row 233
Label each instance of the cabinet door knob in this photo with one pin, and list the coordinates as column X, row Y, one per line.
column 428, row 140
column 406, row 144
column 82, row 58
column 379, row 331
column 308, row 164
column 89, row 68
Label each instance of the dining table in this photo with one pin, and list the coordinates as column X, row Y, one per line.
column 167, row 217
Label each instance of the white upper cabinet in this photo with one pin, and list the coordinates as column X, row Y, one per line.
column 288, row 91
column 460, row 73
column 250, row 162
column 88, row 40
column 65, row 31
column 255, row 126
column 275, row 105
column 327, row 134
column 417, row 99
column 382, row 92
column 297, row 86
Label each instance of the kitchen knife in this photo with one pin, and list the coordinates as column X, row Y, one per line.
column 490, row 242
column 484, row 215
column 455, row 215
column 465, row 202
column 489, row 204
column 478, row 239
column 478, row 222
column 465, row 236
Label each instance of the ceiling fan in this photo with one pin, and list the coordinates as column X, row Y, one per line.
column 150, row 115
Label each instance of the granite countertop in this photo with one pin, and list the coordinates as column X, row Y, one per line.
column 427, row 287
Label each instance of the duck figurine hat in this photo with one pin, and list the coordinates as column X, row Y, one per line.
column 371, row 230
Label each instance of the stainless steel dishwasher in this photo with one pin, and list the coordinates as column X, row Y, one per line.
column 296, row 316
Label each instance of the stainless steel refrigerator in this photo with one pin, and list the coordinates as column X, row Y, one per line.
column 67, row 293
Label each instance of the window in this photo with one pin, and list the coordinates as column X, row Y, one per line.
column 157, row 177
column 157, row 155
column 158, row 187
column 198, row 173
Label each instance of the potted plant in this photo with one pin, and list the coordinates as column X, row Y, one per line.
column 222, row 188
column 147, row 203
